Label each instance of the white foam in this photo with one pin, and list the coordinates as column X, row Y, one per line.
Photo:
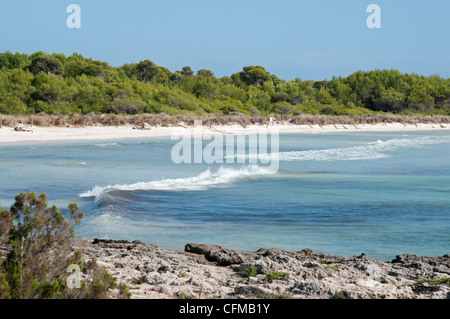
column 76, row 164
column 204, row 181
column 369, row 151
column 106, row 145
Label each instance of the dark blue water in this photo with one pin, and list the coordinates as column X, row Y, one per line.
column 379, row 193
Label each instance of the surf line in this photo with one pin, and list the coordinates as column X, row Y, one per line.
column 226, row 148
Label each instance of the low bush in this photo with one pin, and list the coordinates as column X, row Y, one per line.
column 38, row 240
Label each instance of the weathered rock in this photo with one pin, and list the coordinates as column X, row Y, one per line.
column 209, row 271
column 253, row 291
column 225, row 257
column 220, row 255
column 200, row 249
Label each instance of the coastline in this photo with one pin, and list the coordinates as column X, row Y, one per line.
column 104, row 133
column 208, row 271
column 213, row 272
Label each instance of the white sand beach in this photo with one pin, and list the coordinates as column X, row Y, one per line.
column 91, row 133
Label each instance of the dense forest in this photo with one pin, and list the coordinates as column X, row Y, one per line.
column 59, row 84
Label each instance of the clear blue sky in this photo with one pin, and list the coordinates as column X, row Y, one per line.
column 290, row 38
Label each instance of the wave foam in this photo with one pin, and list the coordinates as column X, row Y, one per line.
column 204, row 181
column 106, row 145
column 370, row 151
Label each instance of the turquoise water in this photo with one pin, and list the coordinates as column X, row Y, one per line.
column 346, row 193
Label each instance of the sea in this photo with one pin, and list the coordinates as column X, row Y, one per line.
column 342, row 193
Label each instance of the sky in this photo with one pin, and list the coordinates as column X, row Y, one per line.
column 312, row 40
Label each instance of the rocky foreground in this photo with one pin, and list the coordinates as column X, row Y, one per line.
column 207, row 271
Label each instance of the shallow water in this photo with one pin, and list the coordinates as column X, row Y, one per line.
column 345, row 193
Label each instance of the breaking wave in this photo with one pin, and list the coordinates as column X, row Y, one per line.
column 203, row 181
column 77, row 164
column 370, row 151
column 106, row 145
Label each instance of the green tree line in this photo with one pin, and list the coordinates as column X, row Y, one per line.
column 60, row 84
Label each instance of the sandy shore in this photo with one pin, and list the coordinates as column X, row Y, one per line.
column 90, row 133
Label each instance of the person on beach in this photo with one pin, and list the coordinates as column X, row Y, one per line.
column 142, row 127
column 21, row 129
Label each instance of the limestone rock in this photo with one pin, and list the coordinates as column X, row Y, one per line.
column 209, row 271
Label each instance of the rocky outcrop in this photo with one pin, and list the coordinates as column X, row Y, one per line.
column 217, row 254
column 209, row 271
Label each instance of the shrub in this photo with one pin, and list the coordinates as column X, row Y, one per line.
column 248, row 270
column 275, row 275
column 39, row 241
column 339, row 295
column 440, row 281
